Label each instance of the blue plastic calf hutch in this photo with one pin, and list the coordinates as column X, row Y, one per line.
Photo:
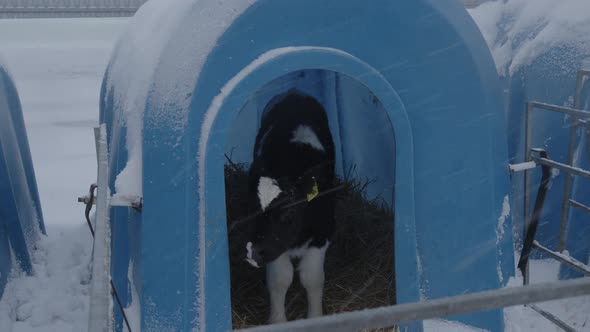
column 21, row 220
column 413, row 100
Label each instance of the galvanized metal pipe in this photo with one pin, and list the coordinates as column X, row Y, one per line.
column 570, row 261
column 560, row 109
column 404, row 313
column 100, row 314
column 527, row 177
column 567, row 190
column 567, row 186
column 563, row 167
column 522, row 166
column 579, row 205
column 553, row 319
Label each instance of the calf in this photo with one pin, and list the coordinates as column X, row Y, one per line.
column 291, row 174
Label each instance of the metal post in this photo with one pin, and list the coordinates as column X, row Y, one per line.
column 570, row 158
column 529, row 238
column 101, row 303
column 527, row 178
column 567, row 187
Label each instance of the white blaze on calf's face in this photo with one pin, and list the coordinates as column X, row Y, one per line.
column 268, row 190
column 305, row 135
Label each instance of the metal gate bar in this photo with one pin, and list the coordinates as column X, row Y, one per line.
column 579, row 205
column 553, row 319
column 561, row 167
column 570, row 261
column 450, row 306
column 532, row 105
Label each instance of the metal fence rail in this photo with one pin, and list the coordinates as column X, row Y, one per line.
column 553, row 319
column 68, row 8
column 566, row 259
column 405, row 313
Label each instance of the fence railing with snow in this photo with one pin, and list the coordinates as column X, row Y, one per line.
column 413, row 101
column 21, row 220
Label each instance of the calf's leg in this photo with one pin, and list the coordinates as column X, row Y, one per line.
column 279, row 275
column 311, row 274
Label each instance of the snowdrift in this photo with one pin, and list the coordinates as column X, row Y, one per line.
column 414, row 103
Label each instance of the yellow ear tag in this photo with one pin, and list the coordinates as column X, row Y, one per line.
column 314, row 191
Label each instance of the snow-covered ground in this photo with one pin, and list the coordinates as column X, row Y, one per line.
column 58, row 66
column 574, row 311
column 56, row 297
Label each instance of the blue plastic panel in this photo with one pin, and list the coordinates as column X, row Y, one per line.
column 5, row 258
column 21, row 220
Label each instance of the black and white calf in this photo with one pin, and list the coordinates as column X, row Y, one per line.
column 292, row 171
